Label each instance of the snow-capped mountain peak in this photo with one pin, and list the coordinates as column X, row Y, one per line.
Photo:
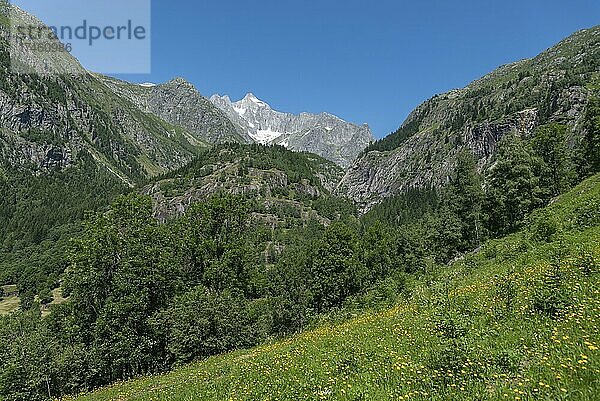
column 251, row 100
column 323, row 134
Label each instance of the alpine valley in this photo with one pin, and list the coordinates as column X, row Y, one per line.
column 158, row 244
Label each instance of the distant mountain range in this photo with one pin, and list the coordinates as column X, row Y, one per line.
column 179, row 103
column 323, row 134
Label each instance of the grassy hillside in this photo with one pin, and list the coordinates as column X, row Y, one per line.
column 518, row 320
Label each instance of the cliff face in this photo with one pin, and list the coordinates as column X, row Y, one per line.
column 553, row 87
column 179, row 103
column 53, row 120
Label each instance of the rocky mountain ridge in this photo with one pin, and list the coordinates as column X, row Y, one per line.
column 282, row 183
column 179, row 103
column 517, row 98
column 52, row 120
column 135, row 131
column 323, row 134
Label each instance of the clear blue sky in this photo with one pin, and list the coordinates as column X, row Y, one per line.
column 366, row 61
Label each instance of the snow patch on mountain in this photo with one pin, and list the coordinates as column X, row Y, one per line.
column 240, row 110
column 266, row 136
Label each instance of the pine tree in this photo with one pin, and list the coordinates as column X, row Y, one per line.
column 550, row 145
column 512, row 187
column 592, row 136
column 464, row 199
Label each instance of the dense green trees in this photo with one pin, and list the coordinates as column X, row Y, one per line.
column 549, row 144
column 463, row 202
column 528, row 172
column 27, row 354
column 212, row 246
column 145, row 296
column 592, row 136
column 335, row 269
column 379, row 253
column 204, row 322
column 404, row 209
column 513, row 185
column 121, row 272
column 39, row 214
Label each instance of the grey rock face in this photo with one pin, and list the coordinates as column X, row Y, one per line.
column 323, row 134
column 425, row 160
column 53, row 121
column 517, row 98
column 179, row 103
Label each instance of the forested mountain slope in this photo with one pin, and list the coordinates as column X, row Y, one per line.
column 518, row 98
column 69, row 144
column 518, row 319
column 288, row 191
column 288, row 183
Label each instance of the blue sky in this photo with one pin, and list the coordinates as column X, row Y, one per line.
column 366, row 61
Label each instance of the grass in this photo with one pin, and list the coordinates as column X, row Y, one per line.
column 12, row 303
column 57, row 299
column 9, row 304
column 519, row 320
